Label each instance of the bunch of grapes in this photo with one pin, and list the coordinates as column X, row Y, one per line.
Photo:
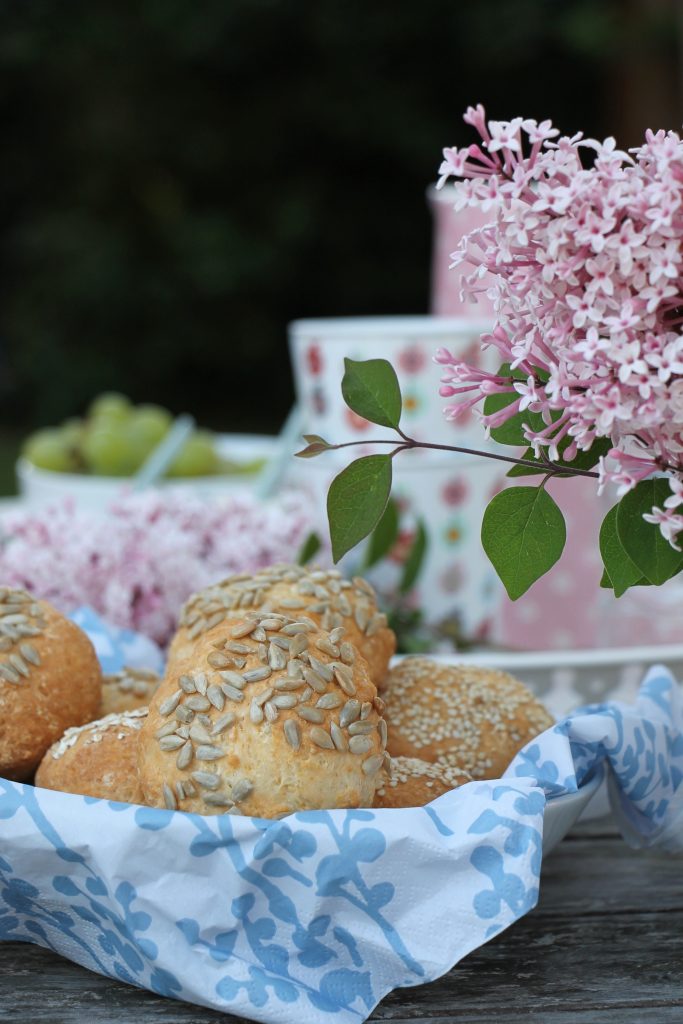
column 115, row 438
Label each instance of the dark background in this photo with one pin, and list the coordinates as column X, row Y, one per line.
column 181, row 179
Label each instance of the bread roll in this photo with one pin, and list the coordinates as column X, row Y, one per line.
column 473, row 719
column 50, row 679
column 263, row 717
column 123, row 691
column 322, row 594
column 414, row 783
column 98, row 759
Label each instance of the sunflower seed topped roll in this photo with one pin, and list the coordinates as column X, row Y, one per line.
column 50, row 679
column 265, row 715
column 322, row 594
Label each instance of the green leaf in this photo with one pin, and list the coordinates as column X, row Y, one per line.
column 310, row 547
column 621, row 572
column 523, row 534
column 582, row 460
column 383, row 537
column 643, row 542
column 316, row 446
column 370, row 387
column 413, row 563
column 356, row 501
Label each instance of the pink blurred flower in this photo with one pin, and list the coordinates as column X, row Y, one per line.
column 587, row 258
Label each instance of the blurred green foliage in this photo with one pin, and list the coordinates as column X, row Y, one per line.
column 181, row 179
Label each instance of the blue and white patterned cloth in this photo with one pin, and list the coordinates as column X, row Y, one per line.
column 316, row 917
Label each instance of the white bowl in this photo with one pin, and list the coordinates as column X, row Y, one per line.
column 45, row 487
column 562, row 812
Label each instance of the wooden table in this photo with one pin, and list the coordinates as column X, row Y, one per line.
column 604, row 946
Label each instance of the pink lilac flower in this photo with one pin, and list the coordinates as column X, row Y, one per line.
column 584, row 246
column 138, row 563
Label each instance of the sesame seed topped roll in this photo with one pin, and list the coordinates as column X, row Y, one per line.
column 473, row 719
column 413, row 782
column 322, row 594
column 264, row 716
column 98, row 759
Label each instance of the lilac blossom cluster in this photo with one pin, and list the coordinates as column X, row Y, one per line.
column 583, row 259
column 137, row 563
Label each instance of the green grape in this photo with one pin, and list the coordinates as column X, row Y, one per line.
column 109, row 408
column 110, row 452
column 47, row 450
column 148, row 425
column 197, row 457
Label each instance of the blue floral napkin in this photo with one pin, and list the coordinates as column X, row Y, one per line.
column 316, row 917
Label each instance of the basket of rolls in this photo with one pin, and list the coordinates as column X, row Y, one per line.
column 288, row 824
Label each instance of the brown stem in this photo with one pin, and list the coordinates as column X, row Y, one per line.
column 552, row 470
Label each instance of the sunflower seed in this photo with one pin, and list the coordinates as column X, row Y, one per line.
column 338, row 737
column 183, row 713
column 324, row 645
column 216, row 696
column 169, row 798
column 349, row 713
column 257, row 674
column 324, row 670
column 263, row 696
column 185, row 755
column 376, row 623
column 206, row 752
column 183, row 731
column 321, row 738
column 292, row 733
column 242, row 629
column 171, row 742
column 310, row 714
column 288, row 684
column 361, row 728
column 255, row 713
column 223, row 723
column 9, row 674
column 207, row 780
column 297, row 645
column 328, row 701
column 361, row 616
column 217, row 800
column 179, row 791
column 30, row 653
column 373, row 764
column 382, row 730
column 218, row 660
column 305, row 694
column 284, row 700
column 166, row 730
column 201, row 682
column 187, row 684
column 295, row 669
column 314, row 680
column 198, row 703
column 238, row 648
column 231, row 692
column 292, row 603
column 347, row 653
column 242, row 789
column 280, row 641
column 167, row 706
column 345, row 679
column 277, row 658
column 360, row 744
column 271, row 712
column 270, row 623
column 234, row 679
column 365, row 710
column 199, row 733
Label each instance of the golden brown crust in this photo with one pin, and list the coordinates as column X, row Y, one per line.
column 263, row 717
column 413, row 782
column 470, row 718
column 50, row 679
column 324, row 595
column 98, row 759
column 126, row 690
